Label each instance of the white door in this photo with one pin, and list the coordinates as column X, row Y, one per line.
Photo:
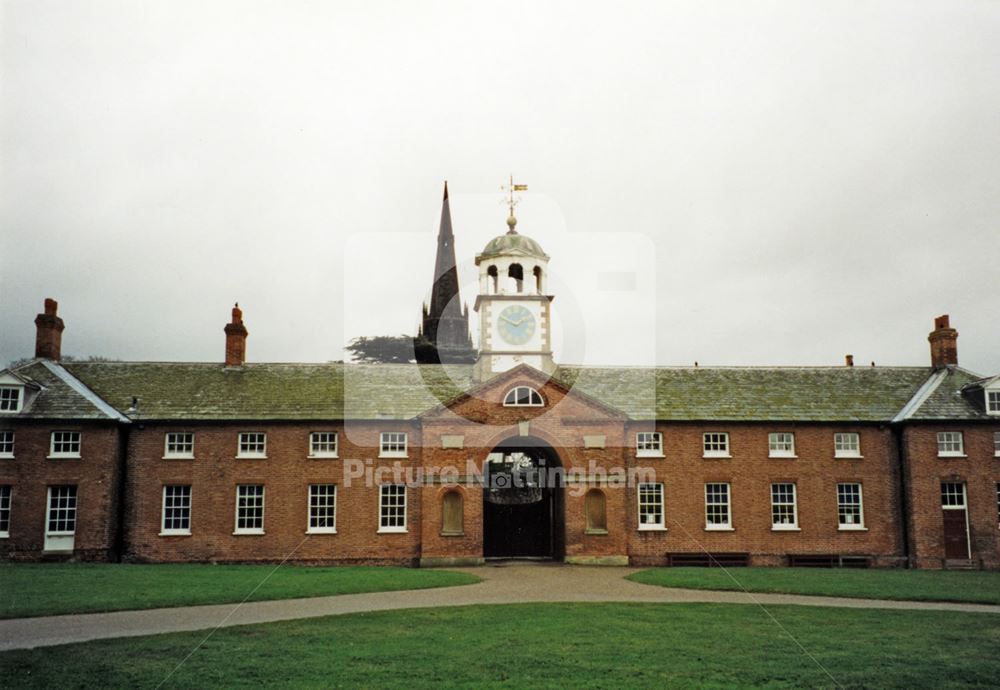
column 60, row 520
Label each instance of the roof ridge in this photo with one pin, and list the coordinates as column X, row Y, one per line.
column 83, row 390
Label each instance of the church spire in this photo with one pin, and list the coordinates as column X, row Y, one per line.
column 444, row 324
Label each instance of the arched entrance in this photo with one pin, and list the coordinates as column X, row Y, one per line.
column 523, row 501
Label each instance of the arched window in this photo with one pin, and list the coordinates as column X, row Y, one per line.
column 517, row 273
column 492, row 277
column 451, row 514
column 596, row 508
column 538, row 279
column 523, row 396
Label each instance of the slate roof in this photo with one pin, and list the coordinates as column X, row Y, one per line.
column 847, row 394
column 59, row 396
column 953, row 399
column 209, row 391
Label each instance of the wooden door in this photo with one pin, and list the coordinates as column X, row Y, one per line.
column 956, row 535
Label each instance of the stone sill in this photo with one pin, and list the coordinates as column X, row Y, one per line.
column 789, row 528
column 596, row 532
column 249, row 533
column 184, row 533
column 251, row 457
column 322, row 530
column 848, row 457
column 845, row 528
column 322, row 457
column 63, row 457
column 714, row 528
column 783, row 457
column 452, row 534
column 392, row 530
column 652, row 528
column 716, row 457
column 177, row 457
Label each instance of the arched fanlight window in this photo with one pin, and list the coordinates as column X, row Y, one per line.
column 595, row 506
column 451, row 514
column 523, row 396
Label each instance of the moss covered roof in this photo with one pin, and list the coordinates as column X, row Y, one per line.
column 210, row 391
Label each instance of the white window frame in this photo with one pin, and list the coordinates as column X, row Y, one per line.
column 393, row 444
column 315, row 440
column 947, row 438
column 726, row 526
column 781, row 444
column 651, row 495
column 65, row 454
column 7, row 438
column 6, row 491
column 996, row 444
column 777, row 526
column 852, row 526
column 963, row 494
column 263, row 497
column 715, row 438
column 535, row 398
column 993, row 402
column 321, row 502
column 5, row 400
column 175, row 531
column 61, row 540
column 177, row 455
column 251, row 454
column 842, row 448
column 649, row 444
column 386, row 492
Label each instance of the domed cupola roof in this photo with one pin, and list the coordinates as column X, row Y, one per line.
column 512, row 244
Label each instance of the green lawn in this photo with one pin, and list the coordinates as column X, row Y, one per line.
column 40, row 589
column 547, row 645
column 920, row 585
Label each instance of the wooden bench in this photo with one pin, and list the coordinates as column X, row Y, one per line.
column 702, row 559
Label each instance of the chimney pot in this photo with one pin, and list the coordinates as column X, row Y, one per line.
column 48, row 332
column 944, row 343
column 849, row 360
column 236, row 339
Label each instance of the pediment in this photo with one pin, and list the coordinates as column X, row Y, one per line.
column 484, row 402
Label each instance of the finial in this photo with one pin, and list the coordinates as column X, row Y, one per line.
column 512, row 202
column 446, row 190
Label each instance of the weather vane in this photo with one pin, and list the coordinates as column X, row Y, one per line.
column 511, row 201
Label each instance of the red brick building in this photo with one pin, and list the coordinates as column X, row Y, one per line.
column 513, row 455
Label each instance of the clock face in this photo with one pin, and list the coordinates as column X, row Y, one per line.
column 516, row 325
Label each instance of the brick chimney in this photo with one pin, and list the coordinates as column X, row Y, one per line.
column 48, row 332
column 944, row 343
column 848, row 360
column 236, row 339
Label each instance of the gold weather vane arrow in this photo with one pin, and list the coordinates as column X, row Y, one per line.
column 511, row 201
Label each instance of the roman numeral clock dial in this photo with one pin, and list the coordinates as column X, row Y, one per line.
column 516, row 325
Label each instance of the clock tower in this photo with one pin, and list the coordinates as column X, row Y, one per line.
column 514, row 309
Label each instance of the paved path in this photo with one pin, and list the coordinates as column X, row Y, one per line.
column 503, row 584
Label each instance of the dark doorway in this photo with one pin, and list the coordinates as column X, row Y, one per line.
column 956, row 520
column 522, row 502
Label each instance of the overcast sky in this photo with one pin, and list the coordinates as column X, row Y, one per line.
column 785, row 182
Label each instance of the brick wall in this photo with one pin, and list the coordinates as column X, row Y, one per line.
column 750, row 472
column 31, row 472
column 980, row 471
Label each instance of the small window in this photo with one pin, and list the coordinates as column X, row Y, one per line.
column 596, row 507
column 523, row 396
column 716, row 445
column 847, row 445
column 993, row 402
column 392, row 508
column 649, row 444
column 176, row 510
column 950, row 444
column 253, row 444
column 249, row 509
column 651, row 507
column 65, row 444
column 952, row 495
column 62, row 510
column 393, row 444
column 322, row 509
column 781, row 445
column 6, row 444
column 784, row 511
column 717, row 513
column 996, row 444
column 850, row 511
column 178, row 445
column 323, row 444
column 10, row 398
column 4, row 512
column 452, row 517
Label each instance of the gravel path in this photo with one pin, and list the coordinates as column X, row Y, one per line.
column 502, row 584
